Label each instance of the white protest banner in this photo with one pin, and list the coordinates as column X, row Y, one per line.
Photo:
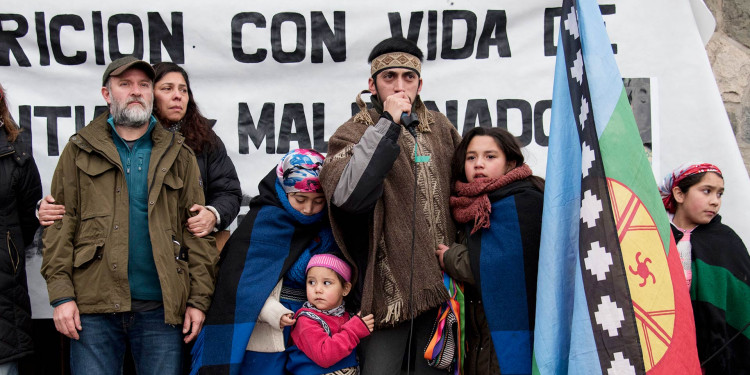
column 284, row 74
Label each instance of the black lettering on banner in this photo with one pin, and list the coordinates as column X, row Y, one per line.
column 24, row 122
column 158, row 34
column 52, row 114
column 99, row 110
column 451, row 110
column 55, row 26
column 550, row 49
column 355, row 108
column 114, row 42
column 96, row 20
column 321, row 33
column 238, row 21
column 298, row 54
column 319, row 142
column 494, row 32
column 609, row 9
column 432, row 17
column 496, row 21
column 9, row 40
column 550, row 14
column 294, row 113
column 502, row 117
column 477, row 109
column 449, row 16
column 41, row 38
column 540, row 107
column 265, row 130
column 415, row 22
column 79, row 116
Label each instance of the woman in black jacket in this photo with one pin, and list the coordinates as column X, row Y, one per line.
column 20, row 188
column 176, row 109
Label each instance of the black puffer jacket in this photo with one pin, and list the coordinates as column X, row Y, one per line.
column 20, row 189
column 220, row 183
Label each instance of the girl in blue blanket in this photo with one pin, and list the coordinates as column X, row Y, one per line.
column 261, row 281
column 499, row 202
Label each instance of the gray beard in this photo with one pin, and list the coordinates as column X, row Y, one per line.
column 134, row 117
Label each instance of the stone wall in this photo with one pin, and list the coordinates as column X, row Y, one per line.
column 729, row 54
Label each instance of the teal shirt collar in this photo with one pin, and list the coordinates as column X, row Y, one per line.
column 151, row 125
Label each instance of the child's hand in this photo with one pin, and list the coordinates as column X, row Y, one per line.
column 368, row 319
column 439, row 254
column 286, row 320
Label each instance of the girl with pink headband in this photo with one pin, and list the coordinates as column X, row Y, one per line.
column 716, row 265
column 325, row 335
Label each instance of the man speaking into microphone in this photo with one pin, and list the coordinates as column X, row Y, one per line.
column 387, row 181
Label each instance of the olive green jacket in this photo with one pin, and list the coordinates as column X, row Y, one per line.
column 86, row 253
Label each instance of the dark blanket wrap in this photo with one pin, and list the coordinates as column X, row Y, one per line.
column 504, row 260
column 720, row 293
column 260, row 251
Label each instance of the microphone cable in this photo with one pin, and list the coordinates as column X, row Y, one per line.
column 409, row 121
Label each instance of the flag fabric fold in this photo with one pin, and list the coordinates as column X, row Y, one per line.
column 611, row 297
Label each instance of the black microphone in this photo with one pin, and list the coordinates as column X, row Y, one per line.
column 410, row 122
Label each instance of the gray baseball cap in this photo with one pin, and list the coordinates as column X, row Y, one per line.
column 119, row 66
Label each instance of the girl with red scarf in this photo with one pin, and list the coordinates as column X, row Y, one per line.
column 498, row 204
column 716, row 265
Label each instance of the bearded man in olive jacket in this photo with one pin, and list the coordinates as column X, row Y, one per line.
column 122, row 266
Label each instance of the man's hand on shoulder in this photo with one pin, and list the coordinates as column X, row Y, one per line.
column 67, row 319
column 193, row 323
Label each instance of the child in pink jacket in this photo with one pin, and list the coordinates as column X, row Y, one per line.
column 324, row 334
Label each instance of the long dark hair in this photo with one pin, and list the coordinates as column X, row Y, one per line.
column 504, row 140
column 11, row 130
column 196, row 129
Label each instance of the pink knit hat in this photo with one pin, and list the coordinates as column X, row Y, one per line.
column 332, row 262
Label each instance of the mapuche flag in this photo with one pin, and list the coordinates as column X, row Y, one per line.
column 611, row 295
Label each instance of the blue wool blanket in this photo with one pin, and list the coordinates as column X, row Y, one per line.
column 268, row 240
column 504, row 260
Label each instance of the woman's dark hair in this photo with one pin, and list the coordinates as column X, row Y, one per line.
column 11, row 130
column 196, row 129
column 504, row 140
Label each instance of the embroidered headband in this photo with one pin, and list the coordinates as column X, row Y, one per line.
column 680, row 173
column 395, row 60
column 299, row 171
column 333, row 263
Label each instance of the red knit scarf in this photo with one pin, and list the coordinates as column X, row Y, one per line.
column 471, row 202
